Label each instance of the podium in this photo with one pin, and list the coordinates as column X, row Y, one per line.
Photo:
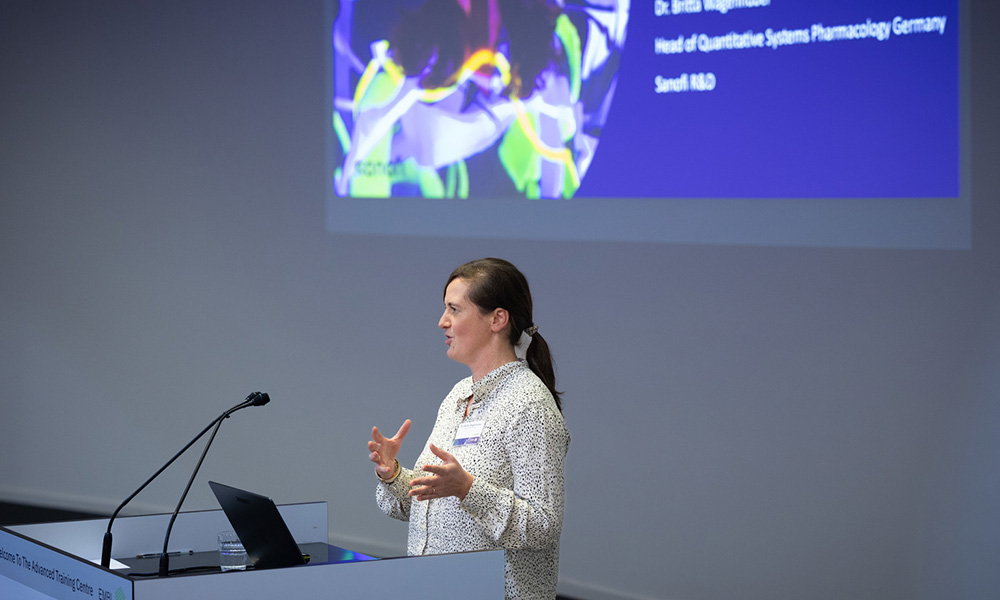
column 60, row 561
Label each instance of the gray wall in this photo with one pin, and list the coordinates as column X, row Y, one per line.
column 748, row 422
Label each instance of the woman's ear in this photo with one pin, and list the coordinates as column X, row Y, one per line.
column 500, row 320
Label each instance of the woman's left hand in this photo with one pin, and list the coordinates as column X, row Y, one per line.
column 447, row 479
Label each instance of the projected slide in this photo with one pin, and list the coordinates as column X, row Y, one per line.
column 734, row 98
column 617, row 103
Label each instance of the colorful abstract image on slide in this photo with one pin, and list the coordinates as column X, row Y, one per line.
column 471, row 98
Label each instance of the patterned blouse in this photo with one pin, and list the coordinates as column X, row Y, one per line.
column 516, row 499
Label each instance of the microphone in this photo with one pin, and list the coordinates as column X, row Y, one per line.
column 254, row 399
column 258, row 399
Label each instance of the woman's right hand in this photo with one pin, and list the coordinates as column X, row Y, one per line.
column 382, row 450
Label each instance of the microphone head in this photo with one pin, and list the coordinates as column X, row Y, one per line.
column 258, row 399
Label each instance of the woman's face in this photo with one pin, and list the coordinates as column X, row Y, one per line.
column 466, row 329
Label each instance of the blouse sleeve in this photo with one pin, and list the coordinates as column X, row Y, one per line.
column 393, row 498
column 530, row 515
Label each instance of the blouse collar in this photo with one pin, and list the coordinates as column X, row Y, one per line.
column 484, row 387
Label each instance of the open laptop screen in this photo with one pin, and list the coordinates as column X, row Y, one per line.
column 257, row 522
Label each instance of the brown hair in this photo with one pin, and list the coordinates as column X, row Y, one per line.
column 496, row 283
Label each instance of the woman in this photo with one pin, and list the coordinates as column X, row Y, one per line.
column 491, row 474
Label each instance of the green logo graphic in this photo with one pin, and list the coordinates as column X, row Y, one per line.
column 119, row 594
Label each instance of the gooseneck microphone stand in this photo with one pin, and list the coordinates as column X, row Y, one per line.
column 254, row 399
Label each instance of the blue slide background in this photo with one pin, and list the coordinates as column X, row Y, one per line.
column 851, row 118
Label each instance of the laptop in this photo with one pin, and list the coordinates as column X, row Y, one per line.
column 259, row 525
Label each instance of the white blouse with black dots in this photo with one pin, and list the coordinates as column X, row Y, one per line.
column 516, row 499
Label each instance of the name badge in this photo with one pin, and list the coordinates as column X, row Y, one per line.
column 468, row 433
